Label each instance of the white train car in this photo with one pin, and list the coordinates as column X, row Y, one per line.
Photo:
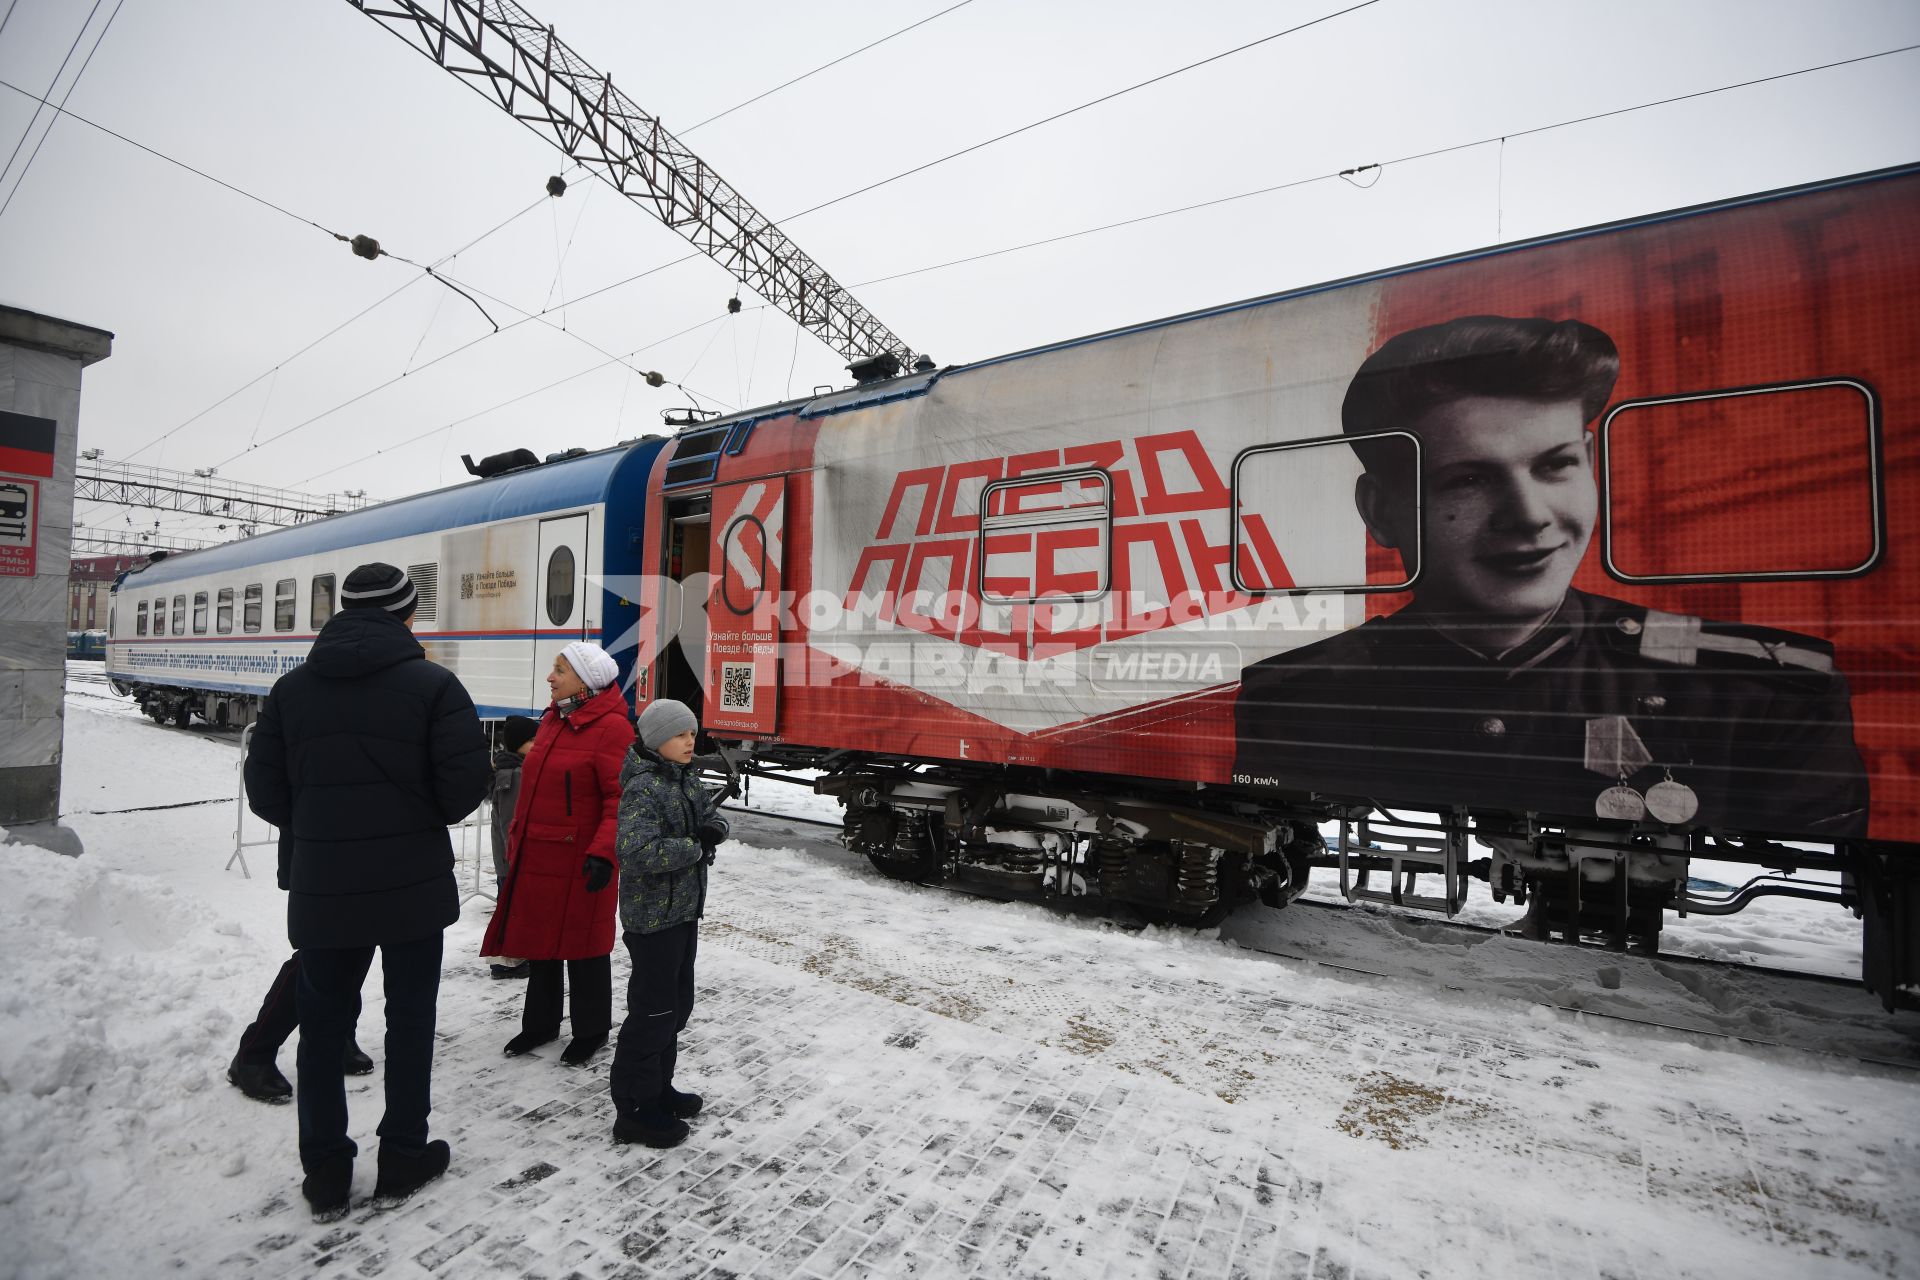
column 508, row 569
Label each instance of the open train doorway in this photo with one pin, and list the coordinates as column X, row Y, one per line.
column 689, row 520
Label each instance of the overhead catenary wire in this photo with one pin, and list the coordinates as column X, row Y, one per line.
column 493, row 408
column 35, row 118
column 1093, row 102
column 1377, row 166
column 383, row 300
column 824, row 66
column 527, row 317
column 1011, row 133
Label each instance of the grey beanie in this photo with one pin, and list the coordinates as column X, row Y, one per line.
column 664, row 718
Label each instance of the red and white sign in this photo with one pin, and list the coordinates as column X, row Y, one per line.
column 19, row 525
column 743, row 625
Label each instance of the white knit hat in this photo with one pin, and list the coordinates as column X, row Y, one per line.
column 591, row 663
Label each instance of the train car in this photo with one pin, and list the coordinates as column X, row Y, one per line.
column 87, row 644
column 508, row 569
column 1600, row 548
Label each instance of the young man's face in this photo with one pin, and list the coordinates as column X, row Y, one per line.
column 1510, row 505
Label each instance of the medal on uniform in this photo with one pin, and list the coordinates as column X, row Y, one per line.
column 1614, row 749
column 1621, row 802
column 1672, row 802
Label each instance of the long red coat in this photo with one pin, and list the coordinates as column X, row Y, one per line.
column 569, row 807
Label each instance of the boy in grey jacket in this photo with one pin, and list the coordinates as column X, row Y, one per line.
column 669, row 826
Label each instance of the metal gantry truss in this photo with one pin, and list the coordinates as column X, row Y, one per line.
column 507, row 55
column 202, row 493
column 108, row 542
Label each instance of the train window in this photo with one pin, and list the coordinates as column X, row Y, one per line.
column 250, row 609
column 1046, row 537
column 320, row 601
column 1752, row 483
column 285, row 594
column 160, row 616
column 1295, row 527
column 140, row 618
column 199, row 613
column 223, row 611
column 179, row 615
column 560, row 586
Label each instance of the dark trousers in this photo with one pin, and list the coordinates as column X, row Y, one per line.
column 659, row 1001
column 329, row 986
column 279, row 1017
column 592, row 983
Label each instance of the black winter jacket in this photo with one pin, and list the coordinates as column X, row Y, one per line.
column 365, row 754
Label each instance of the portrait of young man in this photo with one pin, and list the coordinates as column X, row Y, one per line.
column 1500, row 683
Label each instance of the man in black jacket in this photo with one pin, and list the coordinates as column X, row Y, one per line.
column 365, row 754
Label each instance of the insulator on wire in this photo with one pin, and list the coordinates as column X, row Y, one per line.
column 365, row 247
column 656, row 379
column 733, row 305
column 556, row 185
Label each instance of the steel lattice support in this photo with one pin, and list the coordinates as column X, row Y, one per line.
column 107, row 541
column 133, row 485
column 505, row 54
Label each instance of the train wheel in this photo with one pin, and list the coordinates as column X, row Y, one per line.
column 183, row 715
column 922, row 861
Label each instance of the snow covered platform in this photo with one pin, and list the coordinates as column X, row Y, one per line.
column 909, row 1082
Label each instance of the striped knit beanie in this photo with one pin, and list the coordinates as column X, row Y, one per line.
column 379, row 586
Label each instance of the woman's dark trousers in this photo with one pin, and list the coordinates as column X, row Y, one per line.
column 659, row 1001
column 592, row 983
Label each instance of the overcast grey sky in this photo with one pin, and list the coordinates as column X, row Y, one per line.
column 314, row 107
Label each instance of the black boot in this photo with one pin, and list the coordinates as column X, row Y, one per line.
column 683, row 1105
column 259, row 1080
column 329, row 1188
column 653, row 1128
column 527, row 1041
column 578, row 1050
column 403, row 1173
column 355, row 1062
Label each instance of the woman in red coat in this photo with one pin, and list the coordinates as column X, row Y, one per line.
column 555, row 904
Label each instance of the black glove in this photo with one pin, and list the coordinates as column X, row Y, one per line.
column 709, row 837
column 599, row 873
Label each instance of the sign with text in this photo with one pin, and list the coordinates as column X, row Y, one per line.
column 19, row 525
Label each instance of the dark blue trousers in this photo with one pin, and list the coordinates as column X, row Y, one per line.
column 329, row 998
column 659, row 1001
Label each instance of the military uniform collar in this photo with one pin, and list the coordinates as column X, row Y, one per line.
column 1559, row 632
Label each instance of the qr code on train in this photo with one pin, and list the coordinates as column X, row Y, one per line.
column 736, row 686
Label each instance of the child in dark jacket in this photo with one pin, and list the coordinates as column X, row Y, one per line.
column 669, row 826
column 515, row 738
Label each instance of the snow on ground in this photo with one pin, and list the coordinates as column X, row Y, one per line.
column 905, row 1081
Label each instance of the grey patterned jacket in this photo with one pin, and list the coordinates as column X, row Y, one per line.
column 663, row 873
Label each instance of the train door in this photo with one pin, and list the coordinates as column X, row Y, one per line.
column 560, row 595
column 743, row 626
column 688, row 519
